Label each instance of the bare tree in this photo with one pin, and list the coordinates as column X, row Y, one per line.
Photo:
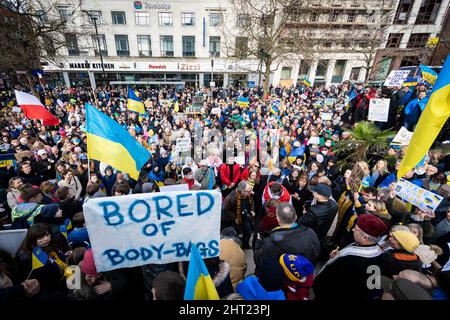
column 260, row 30
column 32, row 31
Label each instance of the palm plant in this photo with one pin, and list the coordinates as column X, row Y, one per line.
column 366, row 142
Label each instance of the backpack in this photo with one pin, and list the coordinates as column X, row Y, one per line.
column 22, row 222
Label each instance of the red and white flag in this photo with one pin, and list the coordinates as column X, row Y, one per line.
column 34, row 109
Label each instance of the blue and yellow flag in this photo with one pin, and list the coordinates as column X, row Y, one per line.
column 430, row 122
column 39, row 258
column 65, row 227
column 112, row 144
column 134, row 103
column 243, row 101
column 177, row 106
column 306, row 82
column 199, row 285
column 428, row 74
column 410, row 82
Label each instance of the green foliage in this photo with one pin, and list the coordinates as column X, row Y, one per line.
column 365, row 142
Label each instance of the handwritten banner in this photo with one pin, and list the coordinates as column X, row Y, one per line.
column 417, row 196
column 7, row 160
column 158, row 228
column 379, row 110
column 183, row 145
column 396, row 78
column 403, row 137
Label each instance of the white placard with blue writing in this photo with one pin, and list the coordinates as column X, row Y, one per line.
column 158, row 228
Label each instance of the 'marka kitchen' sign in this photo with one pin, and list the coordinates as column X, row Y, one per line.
column 87, row 65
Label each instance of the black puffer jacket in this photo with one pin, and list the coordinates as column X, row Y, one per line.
column 320, row 217
column 298, row 240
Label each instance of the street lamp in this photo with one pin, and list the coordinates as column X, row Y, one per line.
column 94, row 19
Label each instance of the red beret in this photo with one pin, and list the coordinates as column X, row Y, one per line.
column 372, row 225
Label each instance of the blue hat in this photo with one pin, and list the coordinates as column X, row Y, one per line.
column 83, row 156
column 296, row 267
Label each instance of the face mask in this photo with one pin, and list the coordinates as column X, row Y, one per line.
column 276, row 197
column 328, row 144
column 324, row 153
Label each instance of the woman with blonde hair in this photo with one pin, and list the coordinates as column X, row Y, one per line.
column 379, row 173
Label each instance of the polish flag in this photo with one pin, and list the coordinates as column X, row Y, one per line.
column 34, row 109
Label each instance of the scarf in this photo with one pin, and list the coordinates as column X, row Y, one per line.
column 355, row 249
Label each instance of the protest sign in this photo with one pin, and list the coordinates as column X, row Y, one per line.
column 417, row 196
column 251, row 84
column 356, row 178
column 176, row 187
column 304, row 96
column 183, row 145
column 193, row 109
column 403, row 137
column 396, row 78
column 7, row 160
column 17, row 109
column 330, row 102
column 379, row 110
column 326, row 116
column 216, row 110
column 197, row 101
column 11, row 240
column 157, row 228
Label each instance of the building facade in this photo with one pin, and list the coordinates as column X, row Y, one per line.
column 409, row 38
column 181, row 42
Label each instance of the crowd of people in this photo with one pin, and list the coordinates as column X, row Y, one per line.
column 312, row 234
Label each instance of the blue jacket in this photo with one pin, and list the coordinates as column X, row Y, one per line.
column 407, row 97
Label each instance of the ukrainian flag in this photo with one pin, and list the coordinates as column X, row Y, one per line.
column 306, row 82
column 410, row 82
column 65, row 227
column 199, row 285
column 134, row 103
column 430, row 122
column 242, row 101
column 428, row 74
column 177, row 106
column 38, row 259
column 274, row 109
column 112, row 144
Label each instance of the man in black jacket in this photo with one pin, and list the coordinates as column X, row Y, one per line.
column 288, row 238
column 321, row 215
column 346, row 275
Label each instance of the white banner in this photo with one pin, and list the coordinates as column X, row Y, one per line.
column 403, row 137
column 183, row 145
column 396, row 78
column 379, row 110
column 158, row 228
column 326, row 116
column 417, row 196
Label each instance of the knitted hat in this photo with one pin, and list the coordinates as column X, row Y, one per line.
column 88, row 264
column 426, row 254
column 372, row 225
column 296, row 267
column 407, row 240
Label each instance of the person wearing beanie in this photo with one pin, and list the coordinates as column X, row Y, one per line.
column 400, row 256
column 298, row 276
column 344, row 276
column 320, row 216
column 109, row 285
